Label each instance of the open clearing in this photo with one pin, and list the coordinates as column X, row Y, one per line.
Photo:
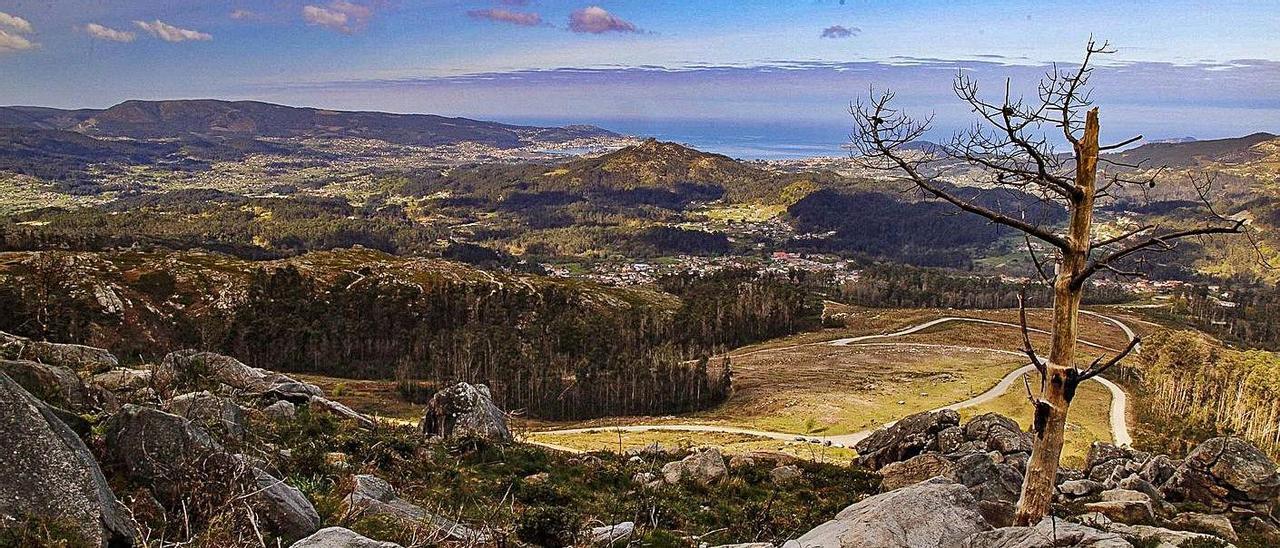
column 805, row 385
column 604, row 439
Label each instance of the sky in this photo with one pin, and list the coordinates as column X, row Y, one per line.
column 738, row 72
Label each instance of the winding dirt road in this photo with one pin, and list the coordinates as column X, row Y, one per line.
column 1119, row 399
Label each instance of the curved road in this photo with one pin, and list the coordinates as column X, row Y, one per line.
column 1119, row 400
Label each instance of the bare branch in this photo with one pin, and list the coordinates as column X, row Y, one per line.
column 883, row 131
column 1027, row 347
column 1163, row 242
column 1095, row 369
column 1121, row 144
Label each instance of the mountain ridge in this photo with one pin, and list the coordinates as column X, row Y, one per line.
column 140, row 119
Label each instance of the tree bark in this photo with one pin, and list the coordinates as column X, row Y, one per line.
column 1058, row 383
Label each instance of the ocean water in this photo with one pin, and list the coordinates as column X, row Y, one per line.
column 741, row 140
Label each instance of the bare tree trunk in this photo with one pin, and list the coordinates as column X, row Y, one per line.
column 1059, row 381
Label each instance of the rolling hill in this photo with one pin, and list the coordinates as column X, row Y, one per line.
column 182, row 119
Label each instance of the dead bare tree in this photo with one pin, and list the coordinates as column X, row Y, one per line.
column 1010, row 144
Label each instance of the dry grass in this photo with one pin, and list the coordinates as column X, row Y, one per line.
column 377, row 398
column 605, row 439
column 831, row 390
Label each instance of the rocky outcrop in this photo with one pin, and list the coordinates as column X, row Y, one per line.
column 172, row 454
column 55, row 384
column 938, row 512
column 338, row 537
column 465, row 411
column 988, row 455
column 703, row 467
column 1227, row 475
column 1159, row 537
column 72, row 356
column 187, row 370
column 282, row 410
column 1049, row 533
column 1109, row 464
column 217, row 415
column 907, row 438
column 285, row 506
column 915, row 470
column 50, row 473
column 1215, row 524
column 371, row 495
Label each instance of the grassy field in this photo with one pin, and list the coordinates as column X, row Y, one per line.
column 830, row 390
column 800, row 385
column 604, row 439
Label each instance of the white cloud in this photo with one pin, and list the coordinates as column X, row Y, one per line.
column 170, row 33
column 14, row 22
column 340, row 15
column 243, row 15
column 107, row 33
column 11, row 29
column 13, row 42
column 596, row 20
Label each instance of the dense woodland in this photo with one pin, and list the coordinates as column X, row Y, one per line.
column 553, row 348
column 901, row 286
column 1195, row 389
column 1248, row 314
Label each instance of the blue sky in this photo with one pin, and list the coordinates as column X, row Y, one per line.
column 1208, row 69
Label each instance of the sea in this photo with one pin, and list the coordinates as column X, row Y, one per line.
column 740, row 140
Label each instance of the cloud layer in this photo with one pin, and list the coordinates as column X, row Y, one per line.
column 524, row 19
column 170, row 33
column 339, row 15
column 12, row 28
column 596, row 20
column 840, row 31
column 107, row 33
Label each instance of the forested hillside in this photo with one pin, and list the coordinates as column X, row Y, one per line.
column 536, row 342
column 1194, row 389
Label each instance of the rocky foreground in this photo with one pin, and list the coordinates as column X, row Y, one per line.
column 174, row 453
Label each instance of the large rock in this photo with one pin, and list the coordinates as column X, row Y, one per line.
column 286, row 508
column 50, row 473
column 372, row 496
column 1080, row 488
column 71, row 356
column 467, row 411
column 338, row 537
column 192, row 370
column 704, row 467
column 994, row 481
column 907, row 438
column 55, row 384
column 1124, row 511
column 339, row 410
column 1049, row 533
column 1108, row 463
column 1216, row 524
column 170, row 452
column 1159, row 469
column 153, row 445
column 915, row 470
column 123, row 379
column 215, row 414
column 936, row 513
column 1226, row 474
